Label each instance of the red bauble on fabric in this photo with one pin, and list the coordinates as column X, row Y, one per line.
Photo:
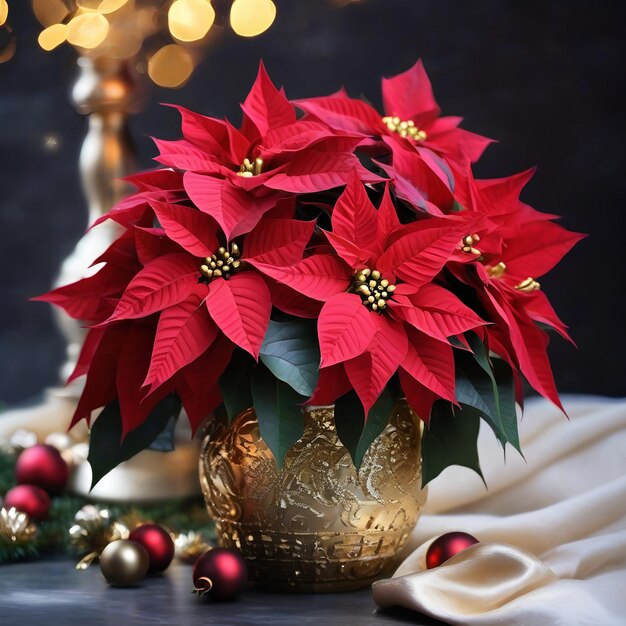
column 42, row 465
column 29, row 499
column 220, row 574
column 446, row 546
column 158, row 544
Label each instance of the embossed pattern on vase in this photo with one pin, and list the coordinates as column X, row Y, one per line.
column 317, row 524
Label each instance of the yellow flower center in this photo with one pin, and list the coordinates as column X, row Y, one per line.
column 404, row 128
column 373, row 289
column 497, row 271
column 249, row 169
column 222, row 264
column 467, row 244
column 528, row 285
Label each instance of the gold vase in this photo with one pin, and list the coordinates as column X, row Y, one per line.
column 317, row 524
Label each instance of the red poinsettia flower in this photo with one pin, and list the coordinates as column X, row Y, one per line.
column 185, row 294
column 237, row 175
column 382, row 312
column 516, row 246
column 412, row 117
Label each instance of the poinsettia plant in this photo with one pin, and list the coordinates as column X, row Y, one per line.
column 321, row 253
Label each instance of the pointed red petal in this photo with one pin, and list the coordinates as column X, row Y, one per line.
column 316, row 170
column 131, row 370
column 199, row 390
column 536, row 248
column 420, row 398
column 387, row 216
column 354, row 217
column 193, row 230
column 266, row 106
column 152, row 243
column 166, row 281
column 431, row 363
column 207, row 133
column 183, row 333
column 293, row 302
column 539, row 309
column 342, row 113
column 185, row 156
column 241, row 308
column 236, row 211
column 332, row 384
column 436, row 312
column 319, row 276
column 278, row 241
column 345, row 328
column 409, row 95
column 421, row 254
column 370, row 372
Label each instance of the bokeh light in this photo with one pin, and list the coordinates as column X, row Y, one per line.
column 87, row 30
column 49, row 12
column 110, row 6
column 53, row 36
column 249, row 18
column 190, row 20
column 4, row 11
column 171, row 66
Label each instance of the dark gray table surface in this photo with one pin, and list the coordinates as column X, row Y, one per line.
column 52, row 592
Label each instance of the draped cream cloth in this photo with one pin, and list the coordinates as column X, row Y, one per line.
column 552, row 527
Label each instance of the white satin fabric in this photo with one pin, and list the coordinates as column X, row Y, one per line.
column 552, row 527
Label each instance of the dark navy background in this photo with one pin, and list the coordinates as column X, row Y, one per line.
column 544, row 78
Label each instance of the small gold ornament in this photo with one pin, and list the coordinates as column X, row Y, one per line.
column 124, row 563
column 92, row 531
column 373, row 289
column 189, row 546
column 404, row 128
column 249, row 169
column 16, row 529
column 222, row 264
column 497, row 271
column 528, row 285
column 467, row 245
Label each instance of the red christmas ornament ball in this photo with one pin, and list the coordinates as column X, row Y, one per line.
column 42, row 465
column 220, row 574
column 158, row 544
column 446, row 546
column 29, row 499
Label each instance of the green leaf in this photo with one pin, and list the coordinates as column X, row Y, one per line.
column 450, row 439
column 107, row 450
column 291, row 352
column 235, row 384
column 490, row 389
column 278, row 411
column 356, row 433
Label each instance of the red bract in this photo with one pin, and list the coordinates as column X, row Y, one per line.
column 382, row 312
column 411, row 118
column 237, row 175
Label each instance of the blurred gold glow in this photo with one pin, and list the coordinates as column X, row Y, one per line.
column 7, row 44
column 49, row 12
column 249, row 18
column 90, row 5
column 52, row 36
column 171, row 66
column 190, row 20
column 4, row 11
column 109, row 6
column 87, row 30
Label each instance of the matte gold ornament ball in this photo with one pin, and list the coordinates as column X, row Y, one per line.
column 124, row 563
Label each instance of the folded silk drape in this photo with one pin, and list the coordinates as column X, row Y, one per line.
column 552, row 527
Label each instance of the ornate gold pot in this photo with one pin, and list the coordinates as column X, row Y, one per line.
column 317, row 524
